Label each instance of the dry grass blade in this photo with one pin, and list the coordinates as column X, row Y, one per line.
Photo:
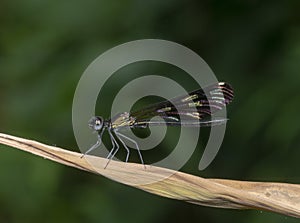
column 277, row 197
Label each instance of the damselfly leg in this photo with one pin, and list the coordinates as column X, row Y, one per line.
column 114, row 144
column 97, row 144
column 131, row 140
column 114, row 150
column 125, row 146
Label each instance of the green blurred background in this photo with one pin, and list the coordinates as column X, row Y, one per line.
column 46, row 45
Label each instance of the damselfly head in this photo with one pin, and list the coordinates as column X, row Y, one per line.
column 96, row 123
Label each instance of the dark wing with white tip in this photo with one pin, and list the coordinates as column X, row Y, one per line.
column 193, row 109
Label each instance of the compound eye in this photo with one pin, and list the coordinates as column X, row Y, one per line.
column 96, row 123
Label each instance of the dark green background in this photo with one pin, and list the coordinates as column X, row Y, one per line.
column 46, row 45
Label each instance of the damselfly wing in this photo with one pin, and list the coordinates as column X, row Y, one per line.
column 192, row 110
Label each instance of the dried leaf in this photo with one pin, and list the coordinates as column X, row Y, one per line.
column 277, row 197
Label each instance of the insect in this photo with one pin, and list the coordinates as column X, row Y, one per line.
column 192, row 110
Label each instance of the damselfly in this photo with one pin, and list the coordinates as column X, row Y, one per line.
column 193, row 110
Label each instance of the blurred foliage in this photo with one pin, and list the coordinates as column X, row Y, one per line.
column 46, row 45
